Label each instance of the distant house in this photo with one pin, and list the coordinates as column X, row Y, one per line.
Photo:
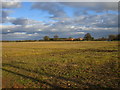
column 80, row 39
column 70, row 39
column 75, row 39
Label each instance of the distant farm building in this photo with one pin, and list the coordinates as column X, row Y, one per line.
column 80, row 39
column 70, row 39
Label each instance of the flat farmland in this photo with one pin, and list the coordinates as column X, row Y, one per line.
column 64, row 64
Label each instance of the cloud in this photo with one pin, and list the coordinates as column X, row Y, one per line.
column 24, row 21
column 66, row 26
column 106, row 21
column 20, row 32
column 9, row 5
column 76, row 33
column 81, row 23
column 4, row 16
column 20, row 21
column 83, row 8
column 54, row 9
column 40, row 30
column 7, row 9
column 76, row 26
column 29, row 28
column 20, row 36
column 98, row 6
column 57, row 8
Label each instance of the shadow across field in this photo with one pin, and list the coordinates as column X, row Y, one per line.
column 78, row 81
column 45, row 74
column 31, row 78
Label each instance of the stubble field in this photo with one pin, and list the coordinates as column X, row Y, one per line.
column 71, row 64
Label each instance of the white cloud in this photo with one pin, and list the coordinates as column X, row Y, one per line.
column 76, row 33
column 19, row 33
column 8, row 5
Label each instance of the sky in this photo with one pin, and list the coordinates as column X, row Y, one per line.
column 34, row 20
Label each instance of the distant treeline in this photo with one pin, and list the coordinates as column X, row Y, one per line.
column 87, row 37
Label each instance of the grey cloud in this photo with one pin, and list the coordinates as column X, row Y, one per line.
column 20, row 21
column 24, row 21
column 102, row 25
column 4, row 16
column 93, row 5
column 108, row 24
column 6, row 10
column 52, row 8
column 82, row 8
column 107, row 21
column 56, row 9
column 104, row 21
